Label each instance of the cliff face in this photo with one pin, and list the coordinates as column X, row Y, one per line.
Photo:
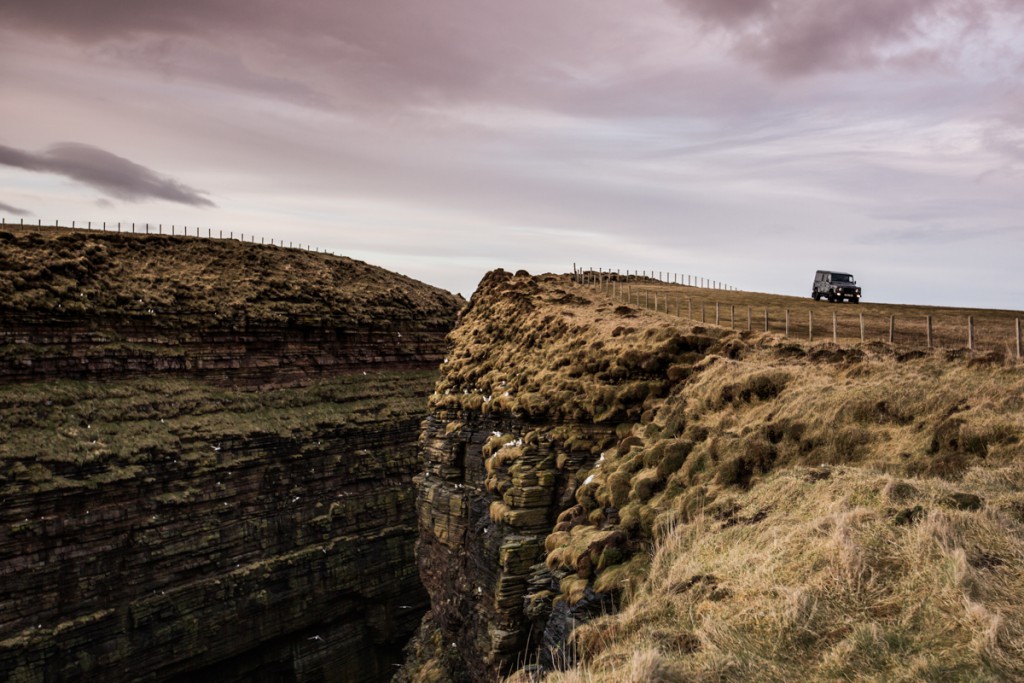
column 206, row 453
column 630, row 497
column 538, row 384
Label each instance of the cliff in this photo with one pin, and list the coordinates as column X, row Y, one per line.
column 206, row 457
column 612, row 494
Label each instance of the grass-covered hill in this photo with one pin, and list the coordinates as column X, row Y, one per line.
column 206, row 458
column 769, row 509
column 994, row 330
column 60, row 272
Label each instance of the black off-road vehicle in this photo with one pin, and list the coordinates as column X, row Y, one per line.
column 835, row 286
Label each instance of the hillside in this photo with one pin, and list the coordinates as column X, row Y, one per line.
column 173, row 280
column 206, row 455
column 738, row 505
column 994, row 330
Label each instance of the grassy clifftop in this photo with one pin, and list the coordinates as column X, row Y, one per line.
column 768, row 509
column 816, row 514
column 67, row 272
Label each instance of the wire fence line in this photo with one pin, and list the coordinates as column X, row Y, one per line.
column 1000, row 333
column 164, row 229
column 593, row 276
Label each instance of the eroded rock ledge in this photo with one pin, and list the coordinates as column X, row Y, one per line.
column 208, row 484
column 734, row 489
column 540, row 381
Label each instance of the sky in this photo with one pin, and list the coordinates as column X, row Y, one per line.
column 747, row 141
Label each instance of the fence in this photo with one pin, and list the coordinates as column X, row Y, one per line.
column 173, row 230
column 993, row 331
column 591, row 276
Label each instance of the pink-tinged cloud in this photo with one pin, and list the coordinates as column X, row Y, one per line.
column 13, row 210
column 795, row 37
column 113, row 175
column 448, row 137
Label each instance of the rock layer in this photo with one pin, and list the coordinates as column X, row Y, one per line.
column 207, row 490
column 539, row 382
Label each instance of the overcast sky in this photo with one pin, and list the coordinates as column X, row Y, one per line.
column 749, row 141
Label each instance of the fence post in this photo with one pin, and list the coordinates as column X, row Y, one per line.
column 732, row 316
column 655, row 301
column 703, row 317
column 717, row 318
column 970, row 332
column 765, row 318
column 928, row 329
column 810, row 325
column 835, row 332
column 892, row 329
column 787, row 322
column 749, row 315
column 862, row 328
column 1018, row 337
column 689, row 309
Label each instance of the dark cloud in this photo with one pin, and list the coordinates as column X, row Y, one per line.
column 346, row 55
column 113, row 175
column 7, row 208
column 794, row 37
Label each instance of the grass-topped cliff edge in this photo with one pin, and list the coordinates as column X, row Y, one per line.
column 206, row 451
column 165, row 279
column 769, row 509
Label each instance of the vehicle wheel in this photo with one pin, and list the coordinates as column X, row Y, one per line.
column 855, row 300
column 816, row 296
column 831, row 297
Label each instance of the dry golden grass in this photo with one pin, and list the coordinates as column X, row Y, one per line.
column 994, row 330
column 769, row 509
column 834, row 582
column 169, row 281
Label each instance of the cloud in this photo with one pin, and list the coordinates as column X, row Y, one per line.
column 113, row 175
column 796, row 37
column 7, row 208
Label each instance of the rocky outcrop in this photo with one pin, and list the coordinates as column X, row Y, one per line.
column 749, row 495
column 539, row 382
column 483, row 526
column 208, row 485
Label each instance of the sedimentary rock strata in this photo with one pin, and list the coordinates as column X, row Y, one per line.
column 199, row 485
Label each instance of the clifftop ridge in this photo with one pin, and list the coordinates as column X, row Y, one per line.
column 745, row 506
